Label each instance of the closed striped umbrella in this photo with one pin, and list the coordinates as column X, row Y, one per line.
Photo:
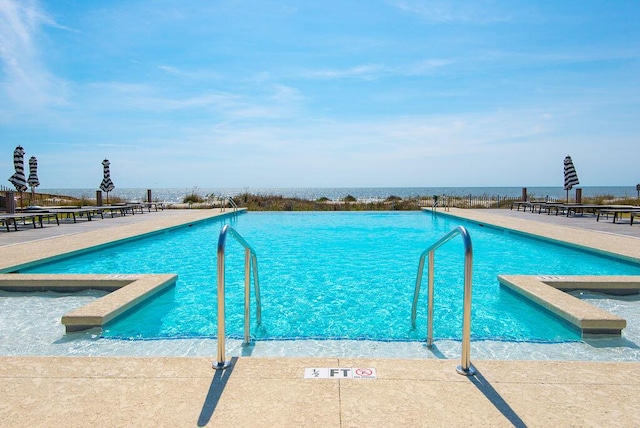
column 570, row 175
column 107, row 184
column 18, row 179
column 33, row 173
column 33, row 176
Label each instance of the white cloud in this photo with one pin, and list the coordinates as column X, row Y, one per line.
column 191, row 74
column 272, row 102
column 26, row 81
column 377, row 71
column 361, row 71
column 453, row 11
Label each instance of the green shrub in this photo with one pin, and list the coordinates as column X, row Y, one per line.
column 192, row 199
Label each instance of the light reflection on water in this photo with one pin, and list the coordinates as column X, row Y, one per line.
column 30, row 325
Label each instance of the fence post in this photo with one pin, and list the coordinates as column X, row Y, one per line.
column 10, row 202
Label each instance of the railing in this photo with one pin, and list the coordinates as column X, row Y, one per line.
column 440, row 201
column 465, row 367
column 231, row 202
column 250, row 260
column 471, row 201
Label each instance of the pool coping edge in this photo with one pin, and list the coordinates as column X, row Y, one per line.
column 550, row 292
column 125, row 293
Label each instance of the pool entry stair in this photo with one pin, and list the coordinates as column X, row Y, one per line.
column 465, row 368
column 232, row 204
column 550, row 293
column 250, row 261
column 126, row 291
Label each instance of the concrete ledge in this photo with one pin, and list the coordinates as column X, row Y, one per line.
column 616, row 285
column 126, row 292
column 548, row 292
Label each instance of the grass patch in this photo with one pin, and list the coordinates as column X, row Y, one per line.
column 349, row 203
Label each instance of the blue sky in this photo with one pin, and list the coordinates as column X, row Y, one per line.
column 286, row 93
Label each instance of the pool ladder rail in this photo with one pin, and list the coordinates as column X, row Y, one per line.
column 465, row 367
column 229, row 200
column 250, row 261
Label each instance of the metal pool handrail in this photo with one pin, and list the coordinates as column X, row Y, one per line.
column 250, row 259
column 465, row 367
column 229, row 199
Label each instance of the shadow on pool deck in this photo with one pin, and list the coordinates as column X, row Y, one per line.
column 218, row 383
column 268, row 392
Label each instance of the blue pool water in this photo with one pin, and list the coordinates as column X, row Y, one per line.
column 340, row 276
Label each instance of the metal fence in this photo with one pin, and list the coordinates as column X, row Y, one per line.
column 25, row 199
column 474, row 201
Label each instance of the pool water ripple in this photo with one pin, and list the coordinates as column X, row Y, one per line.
column 340, row 276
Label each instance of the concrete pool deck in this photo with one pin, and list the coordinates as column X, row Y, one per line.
column 163, row 391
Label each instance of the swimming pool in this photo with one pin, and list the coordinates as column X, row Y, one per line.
column 340, row 276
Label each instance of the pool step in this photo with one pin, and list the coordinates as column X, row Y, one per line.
column 126, row 292
column 550, row 293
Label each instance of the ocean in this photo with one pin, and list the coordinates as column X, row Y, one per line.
column 336, row 193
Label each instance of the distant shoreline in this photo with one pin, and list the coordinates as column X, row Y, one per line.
column 338, row 193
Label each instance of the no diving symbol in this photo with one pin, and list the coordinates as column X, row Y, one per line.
column 364, row 372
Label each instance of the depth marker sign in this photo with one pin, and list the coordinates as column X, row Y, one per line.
column 340, row 373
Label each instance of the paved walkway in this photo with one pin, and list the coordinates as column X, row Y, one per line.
column 620, row 238
column 120, row 391
column 586, row 221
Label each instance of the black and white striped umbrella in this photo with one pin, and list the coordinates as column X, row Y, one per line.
column 570, row 175
column 33, row 173
column 18, row 179
column 107, row 184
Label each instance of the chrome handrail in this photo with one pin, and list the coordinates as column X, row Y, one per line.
column 250, row 260
column 465, row 367
column 228, row 200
